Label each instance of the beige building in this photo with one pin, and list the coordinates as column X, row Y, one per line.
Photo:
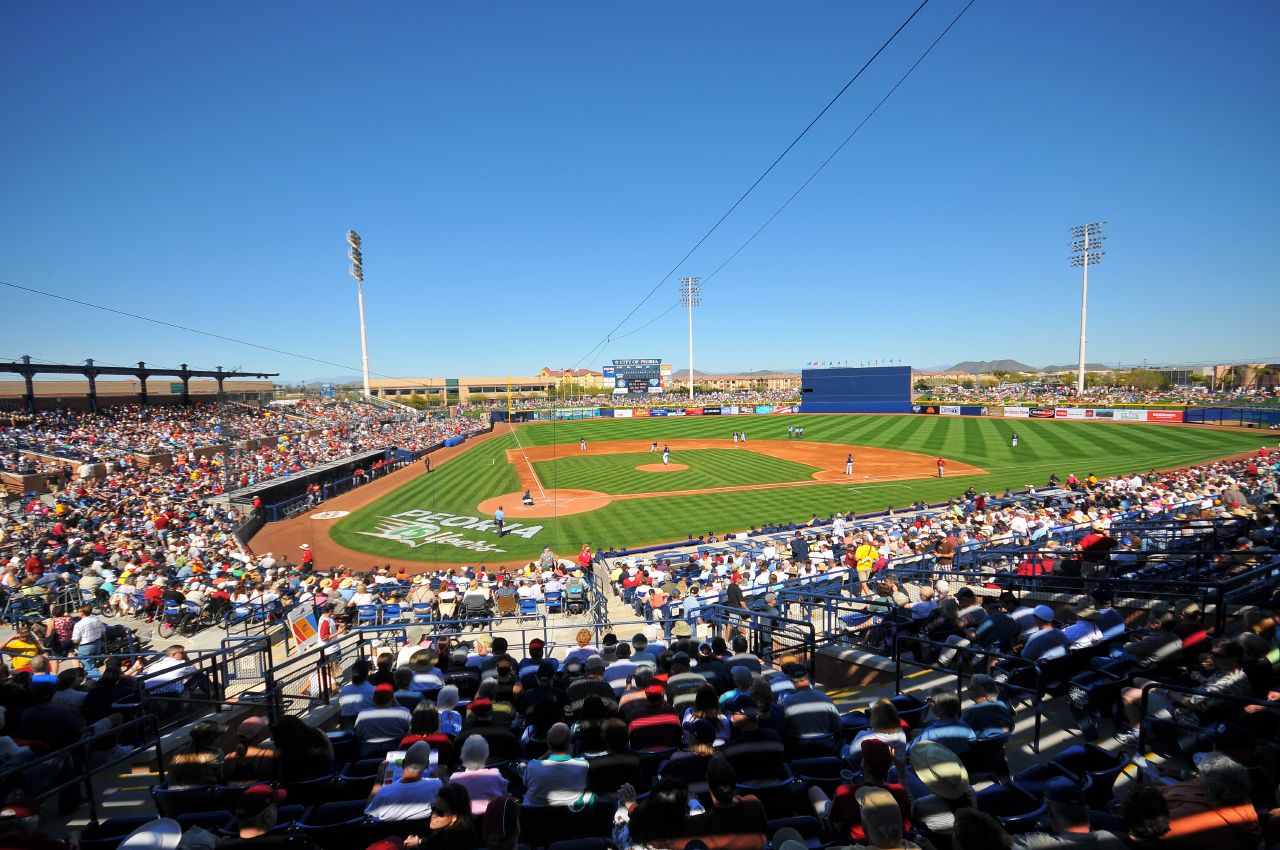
column 454, row 390
column 74, row 392
column 745, row 381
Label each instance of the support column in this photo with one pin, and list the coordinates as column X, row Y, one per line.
column 142, row 377
column 92, row 374
column 185, row 374
column 27, row 375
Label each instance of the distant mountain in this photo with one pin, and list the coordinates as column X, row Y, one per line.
column 983, row 367
column 336, row 381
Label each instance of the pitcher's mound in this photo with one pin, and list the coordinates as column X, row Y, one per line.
column 554, row 503
column 659, row 467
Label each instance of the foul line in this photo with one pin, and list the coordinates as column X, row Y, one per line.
column 536, row 480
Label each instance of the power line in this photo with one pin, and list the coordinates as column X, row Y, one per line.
column 199, row 331
column 815, row 173
column 758, row 180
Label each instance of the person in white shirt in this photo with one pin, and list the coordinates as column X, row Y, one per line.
column 168, row 675
column 411, row 796
column 559, row 779
column 87, row 635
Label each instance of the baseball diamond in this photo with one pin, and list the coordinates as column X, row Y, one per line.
column 605, row 497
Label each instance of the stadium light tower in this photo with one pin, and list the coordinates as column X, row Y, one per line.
column 357, row 271
column 691, row 296
column 1086, row 250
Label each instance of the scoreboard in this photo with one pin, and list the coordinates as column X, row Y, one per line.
column 635, row 376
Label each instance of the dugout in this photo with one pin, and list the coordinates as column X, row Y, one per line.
column 872, row 389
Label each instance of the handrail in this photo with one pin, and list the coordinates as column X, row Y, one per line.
column 971, row 650
column 1190, row 691
column 83, row 749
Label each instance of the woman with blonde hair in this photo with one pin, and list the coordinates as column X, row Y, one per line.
column 885, row 725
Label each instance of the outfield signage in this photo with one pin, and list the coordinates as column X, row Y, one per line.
column 1017, row 412
column 418, row 528
column 949, row 409
column 1164, row 415
column 728, row 410
column 1115, row 414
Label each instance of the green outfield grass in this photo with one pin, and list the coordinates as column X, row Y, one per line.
column 457, row 487
column 616, row 474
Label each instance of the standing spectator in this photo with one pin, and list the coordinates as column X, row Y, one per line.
column 87, row 636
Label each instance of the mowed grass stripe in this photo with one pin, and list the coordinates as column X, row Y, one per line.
column 1046, row 446
column 617, row 474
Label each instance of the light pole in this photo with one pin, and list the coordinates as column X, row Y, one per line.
column 1086, row 250
column 691, row 296
column 357, row 271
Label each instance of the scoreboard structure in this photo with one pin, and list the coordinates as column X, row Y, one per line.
column 874, row 389
column 635, row 376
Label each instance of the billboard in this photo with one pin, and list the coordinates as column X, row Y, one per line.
column 1164, row 415
column 635, row 376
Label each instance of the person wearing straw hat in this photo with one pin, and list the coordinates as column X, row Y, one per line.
column 938, row 785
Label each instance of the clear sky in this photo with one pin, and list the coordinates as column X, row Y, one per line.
column 523, row 173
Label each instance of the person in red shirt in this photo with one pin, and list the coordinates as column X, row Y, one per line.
column 942, row 468
column 308, row 557
column 584, row 557
column 846, row 814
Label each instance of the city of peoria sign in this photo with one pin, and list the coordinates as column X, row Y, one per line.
column 418, row 528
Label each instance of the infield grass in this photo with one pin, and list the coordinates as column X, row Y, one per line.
column 615, row 474
column 1046, row 447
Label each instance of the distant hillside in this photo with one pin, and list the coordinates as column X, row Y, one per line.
column 983, row 367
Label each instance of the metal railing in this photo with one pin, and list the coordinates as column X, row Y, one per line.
column 1033, row 692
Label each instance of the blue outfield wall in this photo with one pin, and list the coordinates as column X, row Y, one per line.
column 873, row 389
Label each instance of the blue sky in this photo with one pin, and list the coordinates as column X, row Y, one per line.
column 523, row 174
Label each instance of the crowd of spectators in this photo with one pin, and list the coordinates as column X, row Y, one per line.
column 673, row 398
column 1052, row 394
column 245, row 444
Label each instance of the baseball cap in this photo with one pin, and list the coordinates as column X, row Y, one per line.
column 256, row 798
column 877, row 756
column 1043, row 612
column 594, row 662
column 655, row 692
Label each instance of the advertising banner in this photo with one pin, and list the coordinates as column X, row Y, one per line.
column 1040, row 413
column 972, row 410
column 1164, row 415
column 675, row 411
column 782, row 408
column 949, row 410
column 1131, row 415
column 728, row 410
column 764, row 408
column 1017, row 412
column 1072, row 413
column 693, row 411
column 710, row 411
column 640, row 412
column 1100, row 414
column 658, row 411
column 927, row 409
column 303, row 626
column 623, row 413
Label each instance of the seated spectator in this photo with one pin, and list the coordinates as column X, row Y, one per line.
column 301, row 751
column 845, row 811
column 559, row 779
column 446, row 703
column 1226, row 679
column 732, row 822
column 739, row 696
column 621, row 670
column 201, row 761
column 383, row 724
column 938, row 785
column 613, row 766
column 584, row 651
column 1048, row 641
column 883, row 724
column 975, row 830
column 257, row 813
column 483, row 784
column 706, row 706
column 1069, row 818
column 655, row 725
column 592, row 683
column 944, row 725
column 452, row 820
column 356, row 695
column 411, row 796
column 810, row 715
column 502, row 743
column 882, row 820
column 1212, row 810
column 988, row 715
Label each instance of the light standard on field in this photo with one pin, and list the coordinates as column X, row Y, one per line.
column 357, row 271
column 1086, row 250
column 691, row 296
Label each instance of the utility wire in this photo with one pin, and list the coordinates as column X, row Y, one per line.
column 211, row 334
column 815, row 173
column 758, row 180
